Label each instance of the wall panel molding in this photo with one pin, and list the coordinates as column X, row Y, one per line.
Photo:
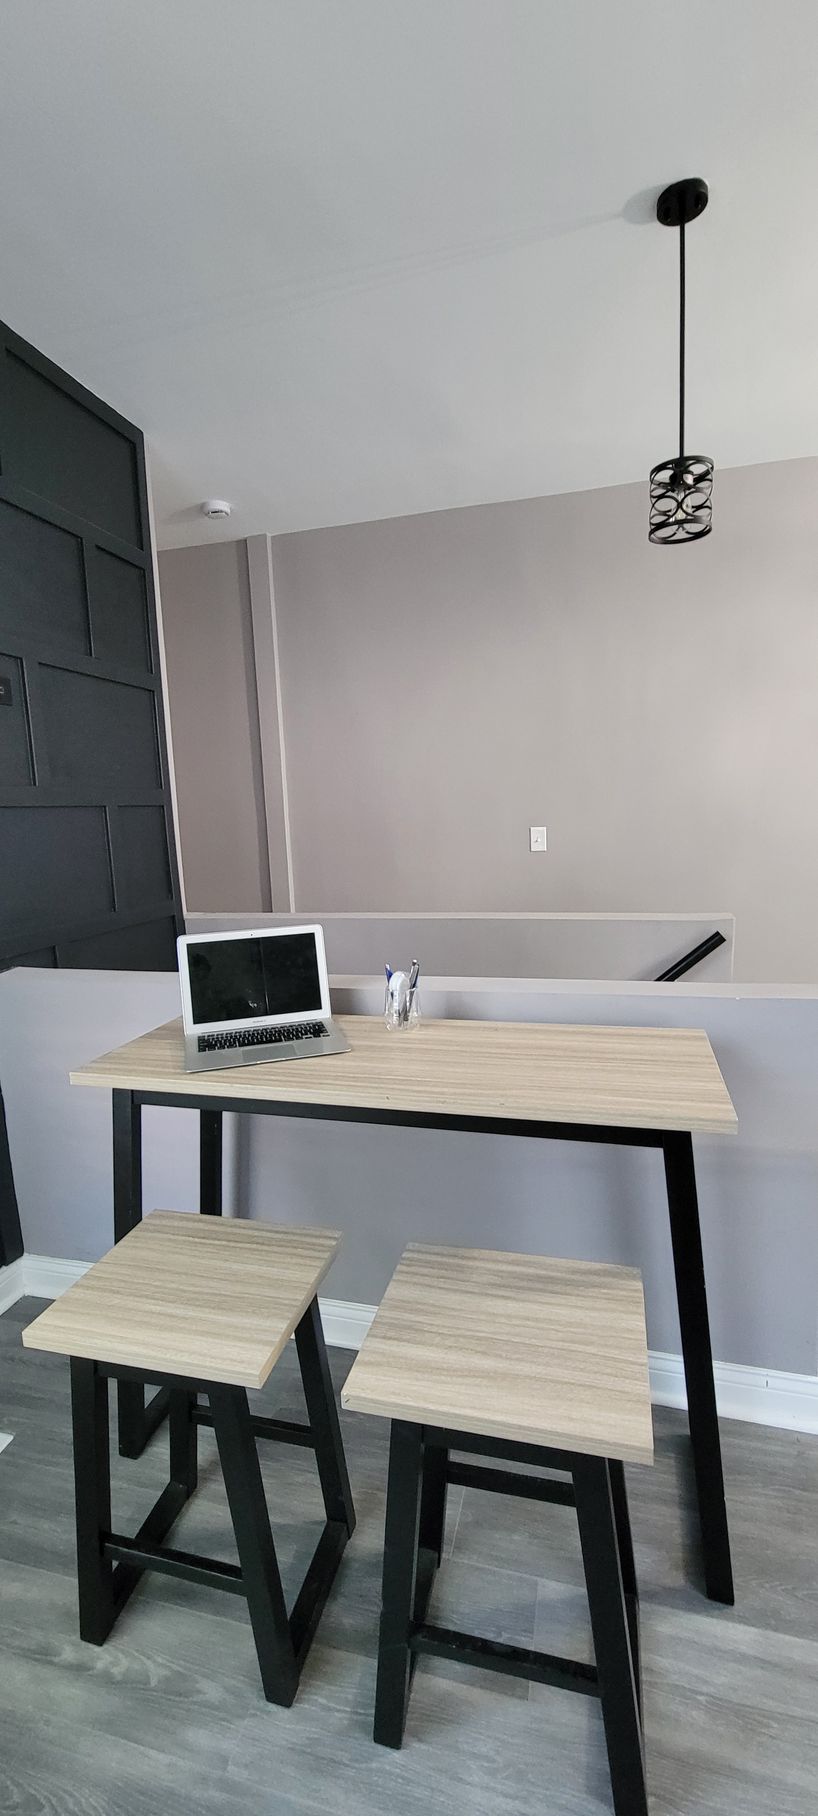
column 271, row 721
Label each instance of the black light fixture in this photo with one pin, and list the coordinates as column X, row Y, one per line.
column 681, row 489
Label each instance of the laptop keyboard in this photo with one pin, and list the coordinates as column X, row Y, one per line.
column 261, row 1037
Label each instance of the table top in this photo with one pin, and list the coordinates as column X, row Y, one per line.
column 511, row 1346
column 646, row 1078
column 212, row 1299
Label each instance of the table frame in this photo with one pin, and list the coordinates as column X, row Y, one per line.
column 137, row 1423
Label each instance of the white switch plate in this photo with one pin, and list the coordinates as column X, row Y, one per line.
column 537, row 838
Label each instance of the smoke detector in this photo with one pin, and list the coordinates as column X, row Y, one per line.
column 215, row 507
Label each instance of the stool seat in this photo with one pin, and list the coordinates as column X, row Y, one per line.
column 517, row 1347
column 191, row 1296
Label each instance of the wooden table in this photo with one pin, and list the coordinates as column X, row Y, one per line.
column 637, row 1087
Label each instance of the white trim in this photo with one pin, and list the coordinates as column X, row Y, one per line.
column 345, row 1323
column 761, row 1396
column 5, row 1438
column 285, row 794
column 12, row 1285
column 483, row 914
column 46, row 1276
column 764, row 1396
column 163, row 678
column 270, row 714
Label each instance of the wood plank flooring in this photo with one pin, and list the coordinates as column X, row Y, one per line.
column 169, row 1714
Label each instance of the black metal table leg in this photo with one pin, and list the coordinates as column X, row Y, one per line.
column 254, row 1541
column 615, row 1663
column 322, row 1413
column 92, row 1484
column 400, row 1564
column 210, row 1163
column 691, row 1294
column 134, row 1425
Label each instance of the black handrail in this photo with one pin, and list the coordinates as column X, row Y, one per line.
column 691, row 958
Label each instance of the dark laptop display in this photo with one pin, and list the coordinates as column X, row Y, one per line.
column 231, row 980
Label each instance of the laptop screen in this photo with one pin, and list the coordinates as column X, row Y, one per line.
column 231, row 980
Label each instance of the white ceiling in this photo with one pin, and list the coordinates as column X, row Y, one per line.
column 346, row 259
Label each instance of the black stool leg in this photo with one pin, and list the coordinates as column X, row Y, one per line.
column 622, row 1518
column 400, row 1565
column 254, row 1542
column 611, row 1631
column 184, row 1458
column 92, row 1485
column 210, row 1163
column 322, row 1413
column 433, row 1499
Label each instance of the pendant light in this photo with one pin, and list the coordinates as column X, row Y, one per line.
column 681, row 489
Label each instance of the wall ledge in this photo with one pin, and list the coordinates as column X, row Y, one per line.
column 759, row 1396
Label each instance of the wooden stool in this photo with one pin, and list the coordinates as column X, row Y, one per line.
column 203, row 1306
column 529, row 1360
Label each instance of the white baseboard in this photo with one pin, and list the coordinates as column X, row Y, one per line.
column 46, row 1276
column 762, row 1396
column 12, row 1284
column 345, row 1323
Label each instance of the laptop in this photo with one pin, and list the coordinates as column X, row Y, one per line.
column 255, row 997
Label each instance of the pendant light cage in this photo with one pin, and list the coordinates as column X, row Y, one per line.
column 681, row 499
column 681, row 488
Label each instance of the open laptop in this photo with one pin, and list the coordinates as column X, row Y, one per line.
column 257, row 996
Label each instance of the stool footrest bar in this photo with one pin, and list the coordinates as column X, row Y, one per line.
column 282, row 1430
column 507, row 1481
column 514, row 1661
column 513, row 1450
column 162, row 1558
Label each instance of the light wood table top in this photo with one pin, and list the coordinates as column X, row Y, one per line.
column 511, row 1346
column 646, row 1078
column 201, row 1296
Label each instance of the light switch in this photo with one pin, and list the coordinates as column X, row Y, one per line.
column 537, row 838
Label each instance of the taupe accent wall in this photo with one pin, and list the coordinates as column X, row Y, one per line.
column 448, row 680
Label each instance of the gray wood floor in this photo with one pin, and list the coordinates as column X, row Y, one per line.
column 169, row 1715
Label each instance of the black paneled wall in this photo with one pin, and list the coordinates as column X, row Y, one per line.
column 87, row 861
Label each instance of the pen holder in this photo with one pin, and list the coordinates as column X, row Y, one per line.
column 403, row 1013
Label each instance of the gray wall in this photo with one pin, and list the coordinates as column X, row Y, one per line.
column 449, row 679
column 385, row 1187
column 214, row 725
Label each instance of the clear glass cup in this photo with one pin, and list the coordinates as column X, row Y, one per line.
column 402, row 1014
